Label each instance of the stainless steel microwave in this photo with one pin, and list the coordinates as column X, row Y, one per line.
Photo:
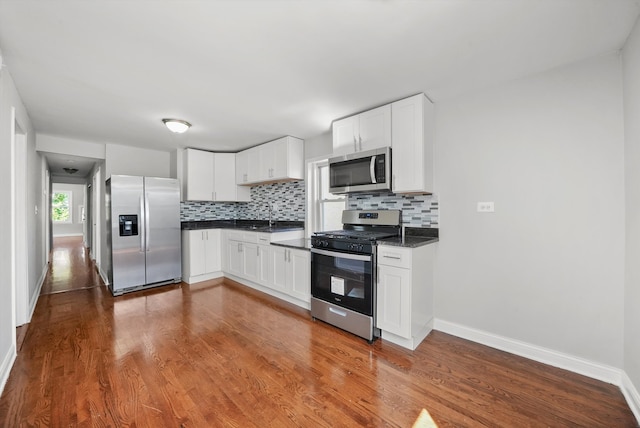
column 368, row 171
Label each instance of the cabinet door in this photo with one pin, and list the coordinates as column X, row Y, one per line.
column 344, row 135
column 242, row 167
column 235, row 257
column 251, row 257
column 394, row 300
column 194, row 259
column 280, row 158
column 224, row 169
column 299, row 273
column 412, row 145
column 213, row 260
column 264, row 266
column 278, row 261
column 253, row 165
column 267, row 161
column 374, row 128
column 199, row 175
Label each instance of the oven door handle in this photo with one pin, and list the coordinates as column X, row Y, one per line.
column 364, row 258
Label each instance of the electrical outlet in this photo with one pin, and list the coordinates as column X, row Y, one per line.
column 485, row 207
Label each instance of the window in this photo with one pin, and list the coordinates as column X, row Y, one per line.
column 325, row 208
column 61, row 207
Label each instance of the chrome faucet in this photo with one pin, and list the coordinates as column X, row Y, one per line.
column 269, row 206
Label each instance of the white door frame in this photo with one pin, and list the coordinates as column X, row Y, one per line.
column 19, row 256
column 95, row 217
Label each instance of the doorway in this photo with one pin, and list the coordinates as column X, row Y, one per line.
column 19, row 255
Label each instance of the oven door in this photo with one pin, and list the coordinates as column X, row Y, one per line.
column 344, row 279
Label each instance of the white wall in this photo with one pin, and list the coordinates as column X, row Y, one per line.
column 69, row 146
column 77, row 200
column 319, row 146
column 9, row 98
column 547, row 267
column 631, row 69
column 124, row 160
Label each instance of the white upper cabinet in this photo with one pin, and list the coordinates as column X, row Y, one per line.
column 278, row 160
column 242, row 167
column 365, row 131
column 211, row 177
column 412, row 145
column 199, row 175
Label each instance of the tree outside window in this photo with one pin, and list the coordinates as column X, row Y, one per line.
column 61, row 207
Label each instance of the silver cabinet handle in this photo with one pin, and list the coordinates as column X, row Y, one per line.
column 257, row 251
column 391, row 257
column 360, row 139
column 355, row 144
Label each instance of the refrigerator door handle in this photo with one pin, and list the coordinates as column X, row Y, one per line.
column 142, row 229
column 146, row 221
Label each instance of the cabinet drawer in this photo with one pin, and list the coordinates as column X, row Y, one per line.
column 264, row 238
column 394, row 256
column 248, row 237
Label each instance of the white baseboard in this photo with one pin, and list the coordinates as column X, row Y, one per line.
column 269, row 291
column 631, row 394
column 103, row 275
column 415, row 340
column 6, row 365
column 537, row 353
column 34, row 299
column 200, row 278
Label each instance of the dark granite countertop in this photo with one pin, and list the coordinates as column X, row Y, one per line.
column 298, row 244
column 413, row 237
column 252, row 225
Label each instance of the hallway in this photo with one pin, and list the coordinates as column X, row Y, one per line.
column 71, row 267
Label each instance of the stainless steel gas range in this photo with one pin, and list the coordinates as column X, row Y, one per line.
column 344, row 270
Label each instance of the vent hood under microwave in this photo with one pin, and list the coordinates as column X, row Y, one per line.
column 368, row 171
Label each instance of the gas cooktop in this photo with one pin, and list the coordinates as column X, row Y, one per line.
column 364, row 235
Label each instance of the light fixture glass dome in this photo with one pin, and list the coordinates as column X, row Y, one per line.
column 176, row 125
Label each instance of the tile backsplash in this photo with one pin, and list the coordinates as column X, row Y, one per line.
column 417, row 210
column 287, row 199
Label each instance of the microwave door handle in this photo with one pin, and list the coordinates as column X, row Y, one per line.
column 372, row 170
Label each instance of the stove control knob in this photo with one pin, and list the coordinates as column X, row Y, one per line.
column 325, row 243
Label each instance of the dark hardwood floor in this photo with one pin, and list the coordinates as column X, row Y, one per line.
column 220, row 354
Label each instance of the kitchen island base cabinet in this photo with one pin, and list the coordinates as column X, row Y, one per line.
column 201, row 258
column 405, row 294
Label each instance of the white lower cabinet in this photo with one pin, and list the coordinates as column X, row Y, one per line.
column 291, row 272
column 235, row 257
column 299, row 273
column 394, row 300
column 250, row 259
column 404, row 311
column 201, row 255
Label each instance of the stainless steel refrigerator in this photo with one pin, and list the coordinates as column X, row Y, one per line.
column 143, row 214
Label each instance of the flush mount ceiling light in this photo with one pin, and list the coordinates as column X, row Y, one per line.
column 176, row 125
column 70, row 170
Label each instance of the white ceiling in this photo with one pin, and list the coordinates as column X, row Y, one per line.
column 248, row 71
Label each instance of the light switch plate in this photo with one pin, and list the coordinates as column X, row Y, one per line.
column 485, row 207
